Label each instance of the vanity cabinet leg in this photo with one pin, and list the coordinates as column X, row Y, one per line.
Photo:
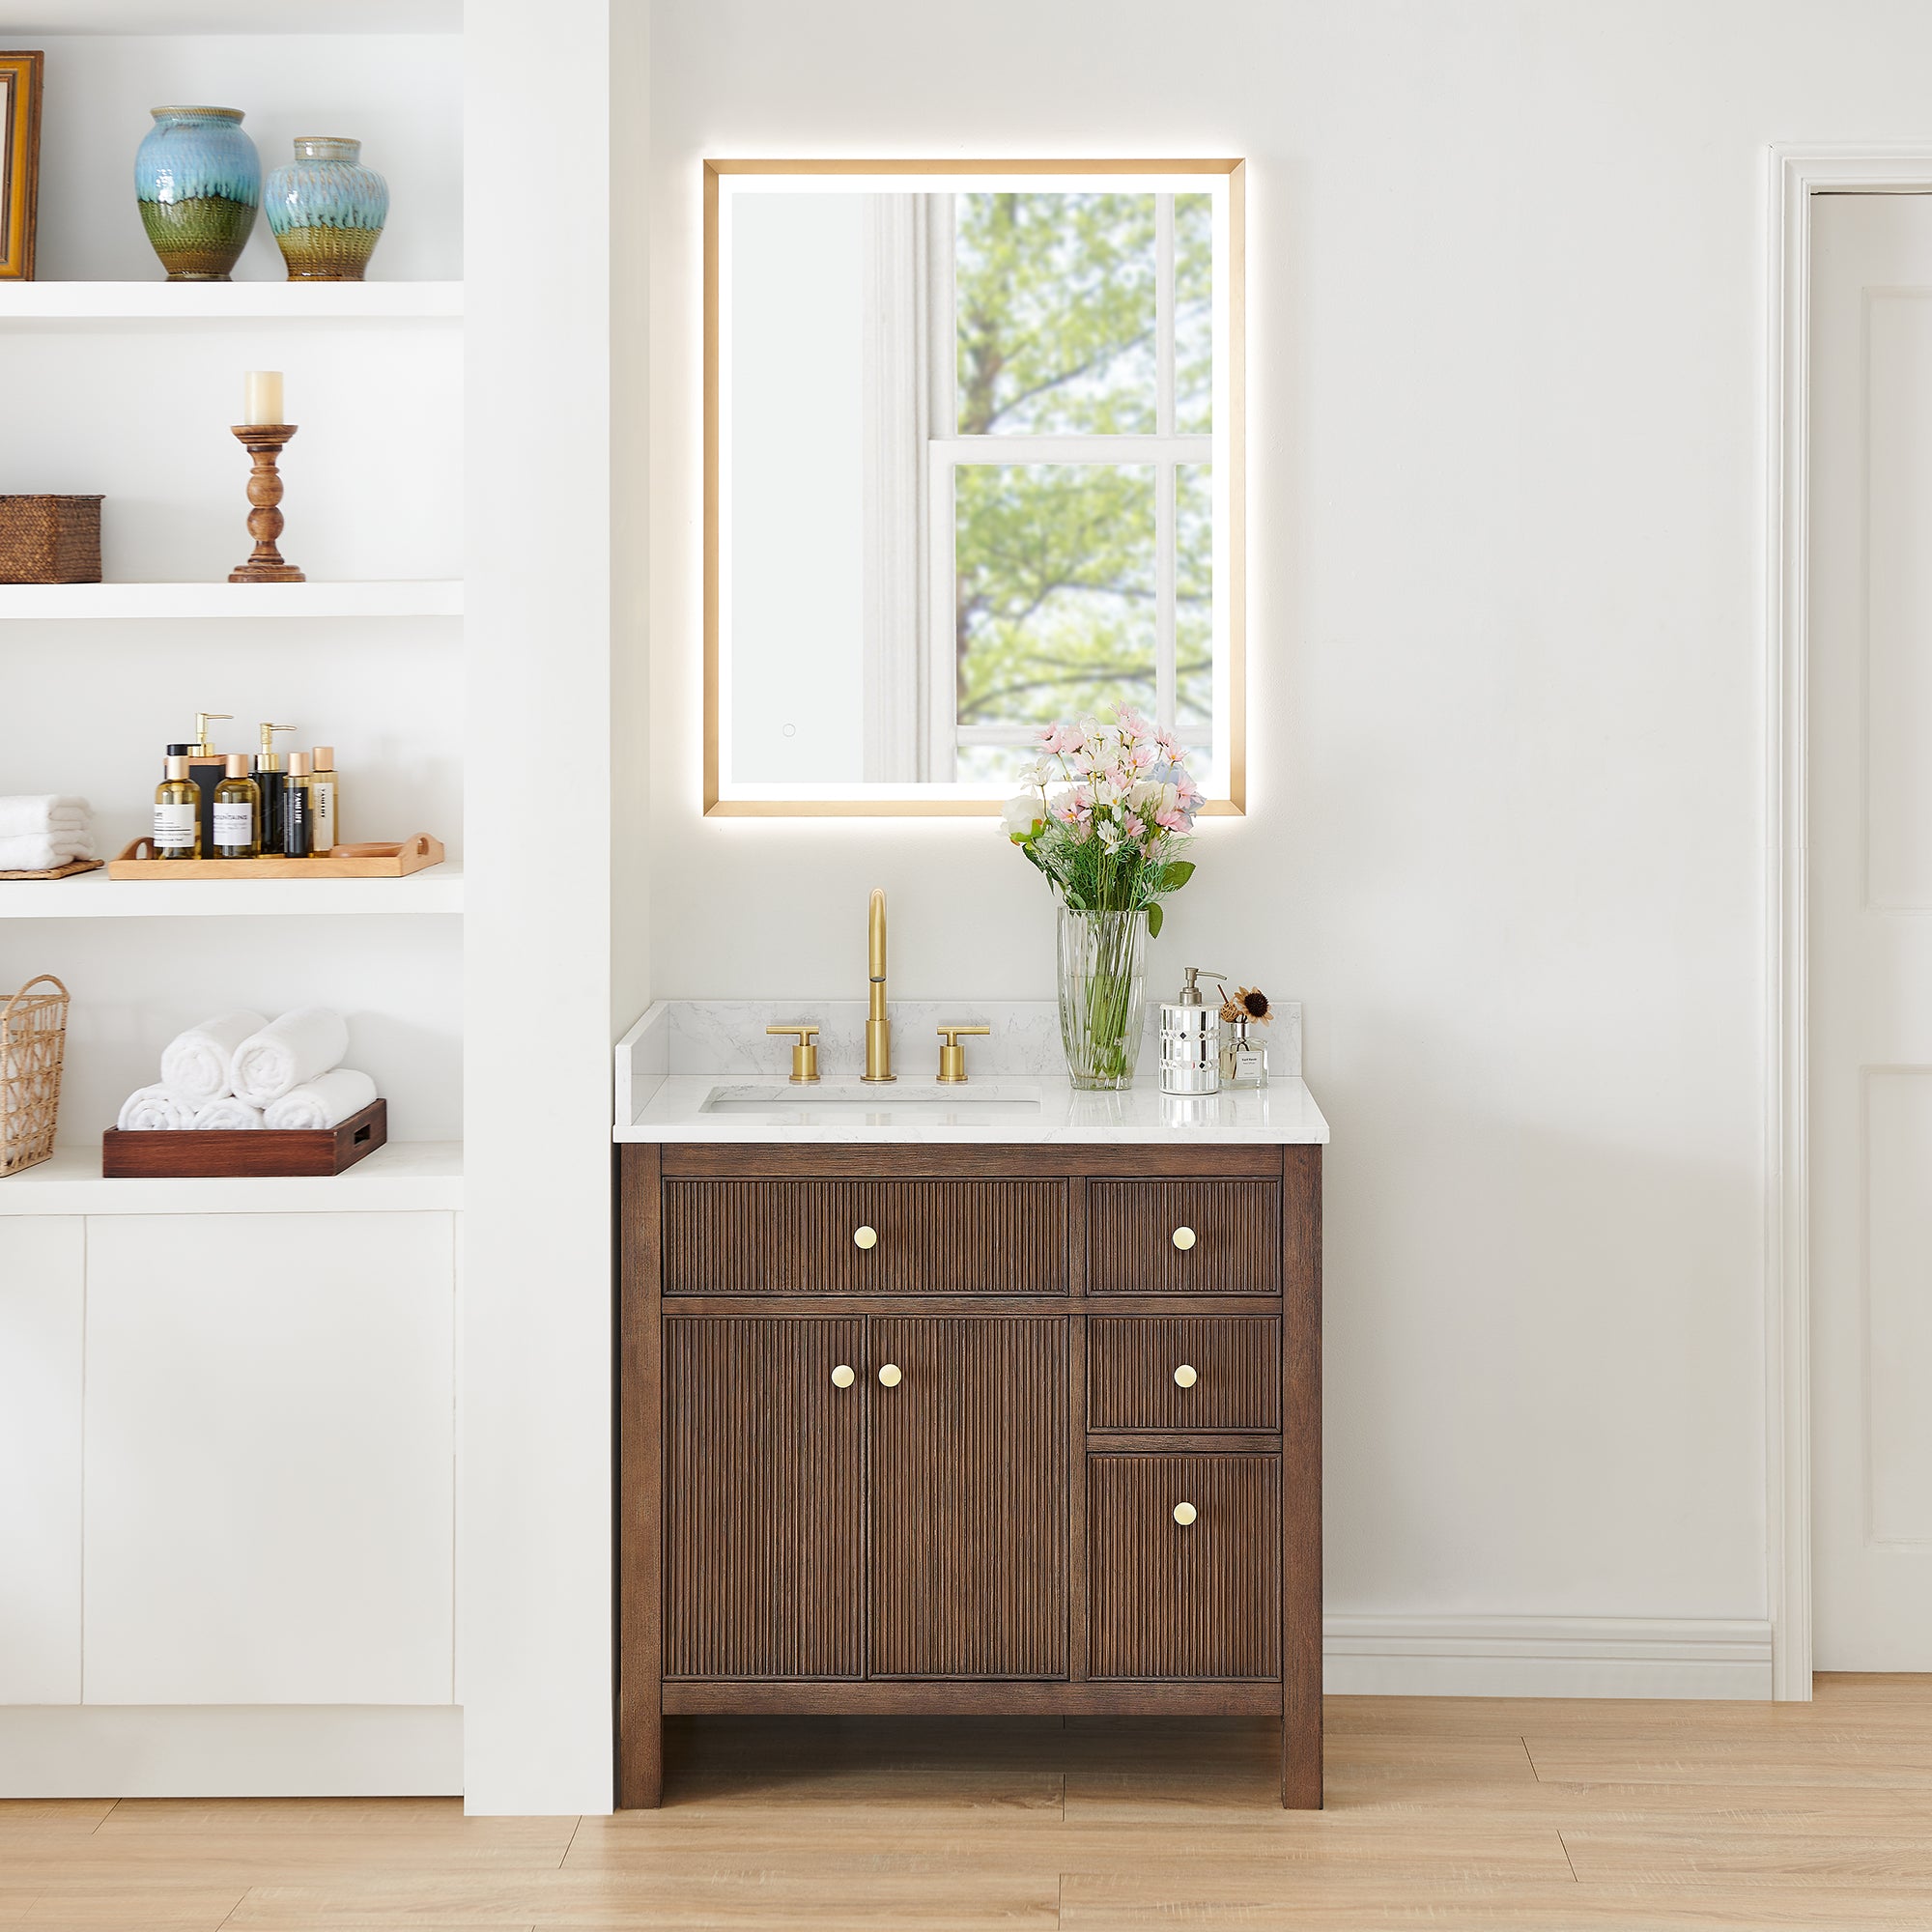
column 640, row 1741
column 1301, row 1479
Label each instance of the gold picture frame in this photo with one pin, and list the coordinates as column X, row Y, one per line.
column 1235, row 802
column 20, row 161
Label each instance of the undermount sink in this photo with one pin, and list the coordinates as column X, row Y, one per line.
column 780, row 1102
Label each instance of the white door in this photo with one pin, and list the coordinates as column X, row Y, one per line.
column 1870, row 877
column 270, row 1459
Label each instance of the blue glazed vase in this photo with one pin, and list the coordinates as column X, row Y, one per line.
column 326, row 210
column 198, row 179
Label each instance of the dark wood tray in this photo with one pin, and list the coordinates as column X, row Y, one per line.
column 218, row 1153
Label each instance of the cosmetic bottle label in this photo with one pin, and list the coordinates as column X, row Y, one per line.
column 174, row 827
column 322, row 804
column 234, row 824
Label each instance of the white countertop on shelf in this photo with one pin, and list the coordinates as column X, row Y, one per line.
column 683, row 1053
column 396, row 1179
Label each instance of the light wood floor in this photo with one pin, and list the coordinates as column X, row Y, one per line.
column 1465, row 1813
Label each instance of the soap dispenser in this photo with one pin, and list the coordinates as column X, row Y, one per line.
column 272, row 782
column 1190, row 1039
column 206, row 769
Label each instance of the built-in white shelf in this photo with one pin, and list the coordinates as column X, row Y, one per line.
column 397, row 1179
column 230, row 301
column 95, row 895
column 427, row 597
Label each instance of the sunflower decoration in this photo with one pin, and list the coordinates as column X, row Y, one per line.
column 1247, row 1003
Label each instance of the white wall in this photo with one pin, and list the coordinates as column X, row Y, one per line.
column 1506, row 838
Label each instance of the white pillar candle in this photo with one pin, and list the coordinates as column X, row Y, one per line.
column 262, row 401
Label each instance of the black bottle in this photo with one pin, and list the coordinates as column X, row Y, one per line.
column 297, row 810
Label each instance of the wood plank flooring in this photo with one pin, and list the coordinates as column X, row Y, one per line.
column 1473, row 1813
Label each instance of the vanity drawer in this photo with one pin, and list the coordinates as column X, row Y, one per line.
column 1184, row 1237
column 1231, row 1363
column 1167, row 1599
column 826, row 1236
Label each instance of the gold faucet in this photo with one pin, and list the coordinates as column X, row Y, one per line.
column 878, row 1027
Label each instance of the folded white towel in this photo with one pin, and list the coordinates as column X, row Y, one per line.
column 326, row 1102
column 297, row 1047
column 153, row 1110
column 43, row 851
column 47, row 811
column 195, row 1064
column 230, row 1112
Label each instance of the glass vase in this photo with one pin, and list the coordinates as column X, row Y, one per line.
column 1102, row 984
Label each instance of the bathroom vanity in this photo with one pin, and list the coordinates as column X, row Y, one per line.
column 931, row 1410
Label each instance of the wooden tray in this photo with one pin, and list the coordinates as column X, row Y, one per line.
column 346, row 861
column 216, row 1152
column 65, row 871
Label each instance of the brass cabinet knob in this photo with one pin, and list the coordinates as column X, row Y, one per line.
column 842, row 1377
column 864, row 1237
column 1184, row 1239
column 952, row 1056
column 1184, row 1514
column 1185, row 1376
column 889, row 1375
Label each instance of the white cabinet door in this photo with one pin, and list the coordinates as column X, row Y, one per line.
column 270, row 1459
column 40, row 1299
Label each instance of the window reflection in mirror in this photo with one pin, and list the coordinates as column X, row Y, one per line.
column 973, row 461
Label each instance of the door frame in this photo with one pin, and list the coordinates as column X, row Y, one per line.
column 1794, row 175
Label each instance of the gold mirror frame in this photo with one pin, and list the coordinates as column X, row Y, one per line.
column 1235, row 802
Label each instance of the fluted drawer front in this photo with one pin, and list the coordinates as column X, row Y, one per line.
column 969, row 1461
column 764, row 1498
column 865, row 1236
column 1199, row 1598
column 1229, row 1367
column 1229, row 1238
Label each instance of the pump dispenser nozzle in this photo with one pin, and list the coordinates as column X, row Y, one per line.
column 268, row 758
column 1191, row 994
column 202, row 747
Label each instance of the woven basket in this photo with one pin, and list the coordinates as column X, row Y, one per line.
column 49, row 539
column 33, row 1038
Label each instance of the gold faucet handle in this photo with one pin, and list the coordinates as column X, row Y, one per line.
column 804, row 1056
column 952, row 1056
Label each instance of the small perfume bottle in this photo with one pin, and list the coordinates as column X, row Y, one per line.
column 1244, row 1057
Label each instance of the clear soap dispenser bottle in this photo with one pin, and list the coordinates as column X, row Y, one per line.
column 1190, row 1039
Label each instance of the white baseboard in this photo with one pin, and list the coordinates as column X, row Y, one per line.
column 230, row 1750
column 1545, row 1656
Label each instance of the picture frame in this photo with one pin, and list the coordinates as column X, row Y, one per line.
column 20, row 161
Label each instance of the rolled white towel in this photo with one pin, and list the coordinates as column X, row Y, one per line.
column 229, row 1112
column 153, row 1110
column 297, row 1047
column 325, row 1102
column 195, row 1065
column 45, row 812
column 43, row 851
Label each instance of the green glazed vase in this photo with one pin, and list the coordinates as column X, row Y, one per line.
column 198, row 180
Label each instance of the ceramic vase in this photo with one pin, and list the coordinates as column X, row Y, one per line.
column 1102, row 995
column 326, row 210
column 198, row 179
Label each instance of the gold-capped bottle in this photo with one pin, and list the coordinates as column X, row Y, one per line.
column 298, row 809
column 238, row 813
column 206, row 767
column 177, row 814
column 324, row 799
column 271, row 780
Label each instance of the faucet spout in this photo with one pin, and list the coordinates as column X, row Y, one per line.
column 878, row 1027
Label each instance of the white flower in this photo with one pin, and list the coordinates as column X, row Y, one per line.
column 1022, row 815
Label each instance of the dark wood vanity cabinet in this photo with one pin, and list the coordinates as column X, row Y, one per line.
column 970, row 1430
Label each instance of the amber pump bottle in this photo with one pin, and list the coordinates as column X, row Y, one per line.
column 177, row 814
column 206, row 767
column 238, row 813
column 298, row 809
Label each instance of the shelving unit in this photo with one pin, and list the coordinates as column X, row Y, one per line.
column 78, row 602
column 407, row 1177
column 200, row 302
column 95, row 895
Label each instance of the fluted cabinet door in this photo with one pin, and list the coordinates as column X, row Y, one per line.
column 968, row 1497
column 764, row 1506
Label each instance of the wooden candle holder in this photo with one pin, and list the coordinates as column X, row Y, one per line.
column 265, row 442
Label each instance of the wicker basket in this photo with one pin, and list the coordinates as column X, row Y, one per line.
column 49, row 539
column 33, row 1036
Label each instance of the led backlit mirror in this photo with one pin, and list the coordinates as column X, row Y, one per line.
column 973, row 458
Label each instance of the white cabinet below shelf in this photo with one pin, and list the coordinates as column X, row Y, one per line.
column 42, row 1297
column 97, row 603
column 269, row 1460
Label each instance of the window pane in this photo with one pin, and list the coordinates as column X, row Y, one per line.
column 1194, row 596
column 1053, row 594
column 1055, row 300
column 1193, row 314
